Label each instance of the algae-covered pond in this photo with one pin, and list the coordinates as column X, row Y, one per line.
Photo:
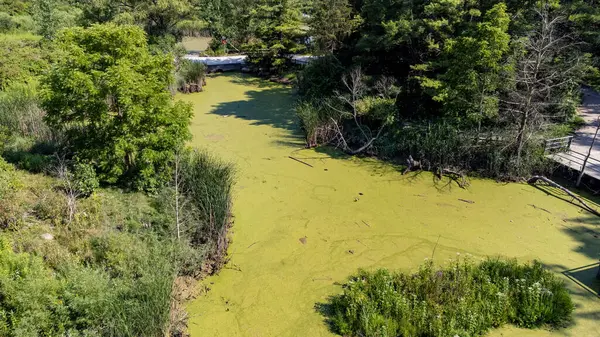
column 299, row 231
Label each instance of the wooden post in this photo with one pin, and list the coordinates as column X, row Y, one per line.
column 588, row 155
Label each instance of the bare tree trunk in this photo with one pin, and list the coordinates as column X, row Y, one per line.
column 68, row 186
column 354, row 82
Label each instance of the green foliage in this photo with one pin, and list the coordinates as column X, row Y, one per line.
column 22, row 58
column 15, row 23
column 109, row 95
column 315, row 121
column 462, row 299
column 190, row 72
column 157, row 18
column 277, row 28
column 320, row 78
column 88, row 300
column 473, row 64
column 463, row 73
column 99, row 276
column 207, row 184
column 142, row 276
column 20, row 111
column 29, row 305
column 331, row 21
column 8, row 181
column 85, row 178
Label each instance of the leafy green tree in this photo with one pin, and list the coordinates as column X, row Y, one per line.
column 278, row 28
column 330, row 22
column 473, row 64
column 158, row 18
column 110, row 96
column 52, row 15
column 228, row 18
column 45, row 17
column 585, row 17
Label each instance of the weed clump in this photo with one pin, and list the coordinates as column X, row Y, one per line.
column 463, row 299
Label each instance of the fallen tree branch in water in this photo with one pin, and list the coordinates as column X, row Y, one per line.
column 584, row 205
column 458, row 177
column 300, row 161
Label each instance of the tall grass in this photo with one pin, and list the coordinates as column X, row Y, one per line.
column 190, row 74
column 207, row 184
column 462, row 299
column 20, row 111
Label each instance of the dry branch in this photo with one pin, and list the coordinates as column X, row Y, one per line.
column 300, row 161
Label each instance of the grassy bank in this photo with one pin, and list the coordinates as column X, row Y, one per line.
column 107, row 264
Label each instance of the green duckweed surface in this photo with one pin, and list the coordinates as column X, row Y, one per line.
column 299, row 231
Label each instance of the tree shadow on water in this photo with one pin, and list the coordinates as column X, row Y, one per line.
column 585, row 277
column 327, row 311
column 264, row 107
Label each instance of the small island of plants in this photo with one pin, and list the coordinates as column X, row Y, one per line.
column 462, row 299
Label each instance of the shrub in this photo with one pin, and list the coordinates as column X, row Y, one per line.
column 320, row 78
column 142, row 274
column 29, row 154
column 191, row 76
column 463, row 299
column 315, row 121
column 29, row 304
column 86, row 181
column 8, row 181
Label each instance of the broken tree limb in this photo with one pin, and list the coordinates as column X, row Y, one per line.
column 411, row 165
column 583, row 204
column 300, row 161
column 458, row 177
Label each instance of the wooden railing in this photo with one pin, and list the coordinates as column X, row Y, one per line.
column 557, row 144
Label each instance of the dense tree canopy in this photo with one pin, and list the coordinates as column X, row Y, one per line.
column 111, row 98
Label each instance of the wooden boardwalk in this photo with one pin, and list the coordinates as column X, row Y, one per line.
column 571, row 151
column 574, row 160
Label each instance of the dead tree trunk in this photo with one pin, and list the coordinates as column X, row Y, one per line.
column 540, row 79
column 354, row 82
column 583, row 204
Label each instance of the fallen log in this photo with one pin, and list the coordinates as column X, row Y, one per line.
column 584, row 205
column 300, row 161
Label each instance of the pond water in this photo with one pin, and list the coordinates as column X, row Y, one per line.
column 301, row 230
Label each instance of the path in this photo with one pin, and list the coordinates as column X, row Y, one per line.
column 589, row 111
column 299, row 231
column 580, row 145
